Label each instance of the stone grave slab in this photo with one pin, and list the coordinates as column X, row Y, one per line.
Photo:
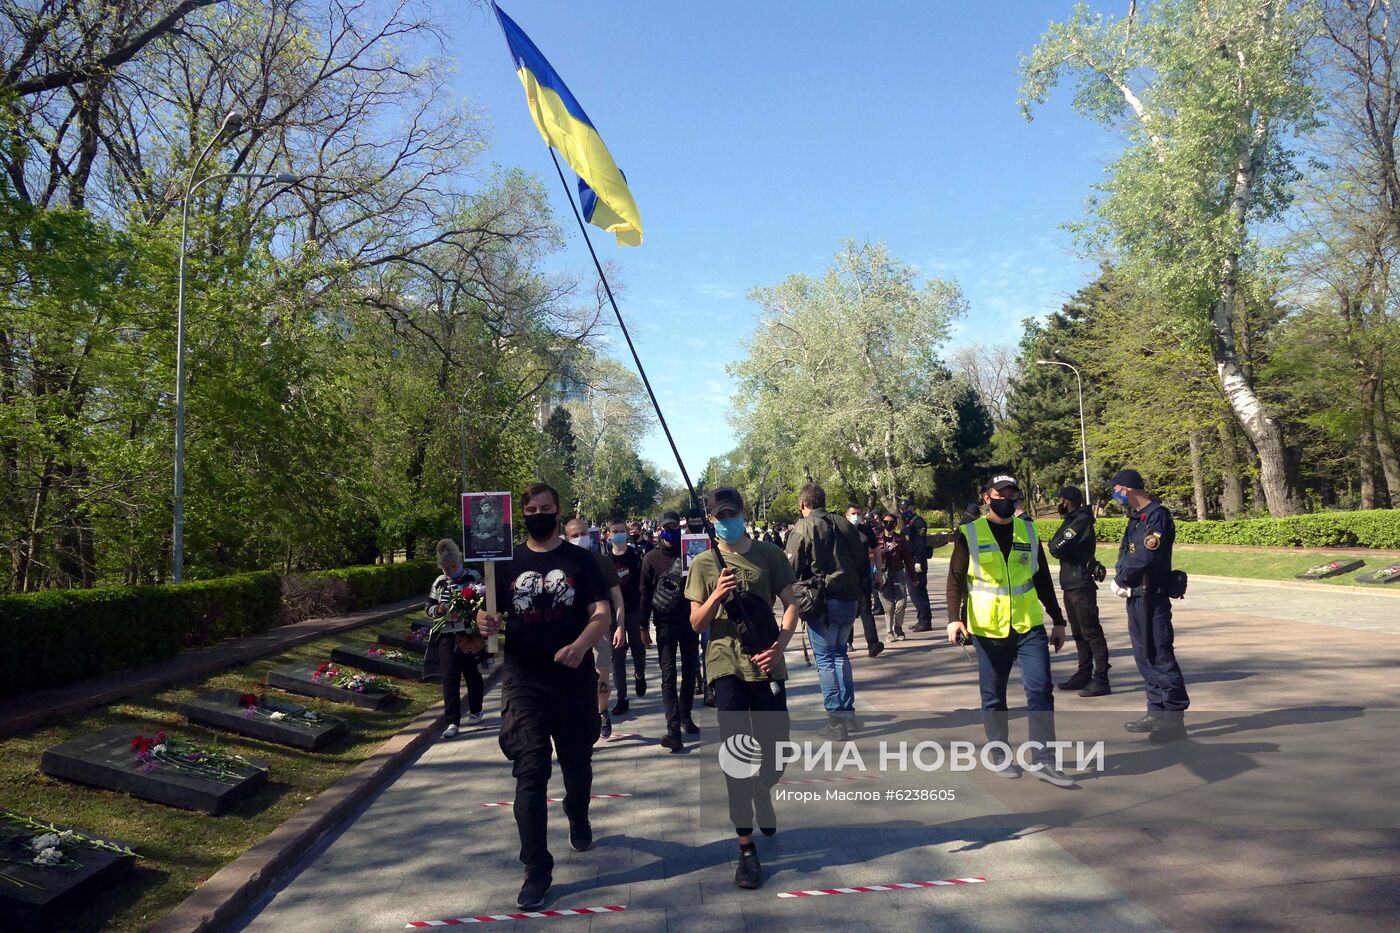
column 106, row 759
column 360, row 657
column 1333, row 568
column 1385, row 575
column 31, row 896
column 402, row 642
column 221, row 709
column 302, row 680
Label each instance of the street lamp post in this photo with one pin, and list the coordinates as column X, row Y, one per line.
column 233, row 121
column 1083, row 440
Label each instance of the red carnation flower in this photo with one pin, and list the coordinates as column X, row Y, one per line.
column 160, row 738
column 136, row 741
column 246, row 700
column 323, row 668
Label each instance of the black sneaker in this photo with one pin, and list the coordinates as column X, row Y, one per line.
column 621, row 706
column 1148, row 723
column 834, row 730
column 1050, row 775
column 922, row 627
column 1078, row 681
column 533, row 891
column 749, row 874
column 1171, row 730
column 580, row 835
column 673, row 742
column 1096, row 688
column 640, row 683
column 689, row 726
column 606, row 729
column 876, row 648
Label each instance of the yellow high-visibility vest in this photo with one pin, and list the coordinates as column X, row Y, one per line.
column 1001, row 593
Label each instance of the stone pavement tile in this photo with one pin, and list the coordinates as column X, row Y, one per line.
column 1261, row 871
column 1248, row 907
column 634, row 918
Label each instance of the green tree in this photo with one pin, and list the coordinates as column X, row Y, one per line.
column 1207, row 94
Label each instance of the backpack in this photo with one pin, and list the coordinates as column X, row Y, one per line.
column 670, row 587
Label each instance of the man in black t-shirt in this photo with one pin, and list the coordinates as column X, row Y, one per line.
column 628, row 563
column 551, row 597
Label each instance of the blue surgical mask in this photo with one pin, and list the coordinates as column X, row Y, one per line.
column 1120, row 497
column 619, row 538
column 671, row 536
column 730, row 530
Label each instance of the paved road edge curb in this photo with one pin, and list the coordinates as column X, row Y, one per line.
column 230, row 891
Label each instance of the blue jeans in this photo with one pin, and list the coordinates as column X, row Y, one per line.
column 830, row 635
column 995, row 657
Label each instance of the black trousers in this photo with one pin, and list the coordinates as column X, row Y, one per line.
column 537, row 710
column 677, row 699
column 1082, row 607
column 1150, row 627
column 633, row 621
column 752, row 710
column 866, row 611
column 918, row 594
column 456, row 666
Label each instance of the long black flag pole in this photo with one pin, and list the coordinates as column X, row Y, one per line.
column 641, row 370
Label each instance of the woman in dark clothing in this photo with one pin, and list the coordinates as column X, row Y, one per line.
column 899, row 570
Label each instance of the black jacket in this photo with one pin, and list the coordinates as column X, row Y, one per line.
column 1074, row 547
column 655, row 565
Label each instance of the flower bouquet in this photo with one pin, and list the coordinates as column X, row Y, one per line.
column 460, row 617
column 390, row 654
column 353, row 681
column 37, row 845
column 207, row 762
column 255, row 706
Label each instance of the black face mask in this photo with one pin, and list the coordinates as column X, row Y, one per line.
column 889, row 526
column 1003, row 508
column 1063, row 509
column 542, row 525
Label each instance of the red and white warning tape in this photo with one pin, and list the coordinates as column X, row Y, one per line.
column 527, row 915
column 833, row 780
column 507, row 803
column 866, row 889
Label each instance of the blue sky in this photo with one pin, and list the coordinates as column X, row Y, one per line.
column 758, row 135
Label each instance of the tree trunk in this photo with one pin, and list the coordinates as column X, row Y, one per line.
column 1232, row 491
column 1198, row 478
column 1366, row 448
column 1385, row 446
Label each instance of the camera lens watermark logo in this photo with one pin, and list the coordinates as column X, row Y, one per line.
column 740, row 756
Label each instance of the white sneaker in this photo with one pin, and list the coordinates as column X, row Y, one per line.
column 450, row 732
column 475, row 719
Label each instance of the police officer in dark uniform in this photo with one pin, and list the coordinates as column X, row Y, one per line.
column 1074, row 547
column 916, row 533
column 1143, row 577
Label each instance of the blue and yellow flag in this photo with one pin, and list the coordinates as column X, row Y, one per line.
column 603, row 193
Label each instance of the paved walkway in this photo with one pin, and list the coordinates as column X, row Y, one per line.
column 427, row 849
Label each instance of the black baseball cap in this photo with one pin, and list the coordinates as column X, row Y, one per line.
column 1071, row 493
column 724, row 497
column 1132, row 479
column 670, row 515
column 1002, row 482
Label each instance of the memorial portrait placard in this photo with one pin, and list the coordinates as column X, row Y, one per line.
column 486, row 521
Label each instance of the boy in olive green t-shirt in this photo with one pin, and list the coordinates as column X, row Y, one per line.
column 750, row 698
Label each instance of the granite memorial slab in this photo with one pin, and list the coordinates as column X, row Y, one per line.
column 305, row 681
column 38, row 887
column 108, row 759
column 410, row 641
column 271, row 720
column 1334, row 568
column 377, row 660
column 1381, row 577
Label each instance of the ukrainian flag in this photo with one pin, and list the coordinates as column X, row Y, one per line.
column 603, row 193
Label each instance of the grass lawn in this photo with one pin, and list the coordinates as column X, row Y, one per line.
column 1250, row 564
column 179, row 848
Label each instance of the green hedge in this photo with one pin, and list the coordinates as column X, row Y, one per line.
column 1376, row 528
column 383, row 583
column 61, row 636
